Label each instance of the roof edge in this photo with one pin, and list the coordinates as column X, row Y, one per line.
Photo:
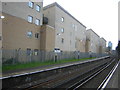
column 94, row 32
column 56, row 4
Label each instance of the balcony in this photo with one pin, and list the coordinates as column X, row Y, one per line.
column 45, row 20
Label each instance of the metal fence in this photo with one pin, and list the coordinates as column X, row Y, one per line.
column 21, row 56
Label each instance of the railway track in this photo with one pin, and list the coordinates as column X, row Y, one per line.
column 63, row 80
column 69, row 76
column 97, row 79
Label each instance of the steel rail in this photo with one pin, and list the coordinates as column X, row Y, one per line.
column 66, row 75
column 85, row 80
column 107, row 79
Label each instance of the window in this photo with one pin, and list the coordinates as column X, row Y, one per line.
column 30, row 19
column 62, row 19
column 29, row 34
column 38, row 8
column 36, row 35
column 62, row 30
column 37, row 22
column 62, row 40
column 73, row 25
column 29, row 52
column 30, row 4
column 35, row 52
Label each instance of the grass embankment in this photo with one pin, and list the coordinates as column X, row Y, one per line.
column 37, row 64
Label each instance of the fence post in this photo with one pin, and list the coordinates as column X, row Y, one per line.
column 55, row 59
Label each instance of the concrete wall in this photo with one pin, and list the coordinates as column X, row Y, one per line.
column 71, row 34
column 15, row 33
column 22, row 10
column 47, row 38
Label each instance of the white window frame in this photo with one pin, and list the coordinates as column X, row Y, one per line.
column 30, row 4
column 30, row 19
column 38, row 8
column 37, row 21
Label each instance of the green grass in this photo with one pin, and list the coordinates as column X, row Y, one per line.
column 37, row 64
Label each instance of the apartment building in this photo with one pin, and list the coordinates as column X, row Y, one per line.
column 92, row 41
column 102, row 48
column 20, row 33
column 21, row 25
column 69, row 32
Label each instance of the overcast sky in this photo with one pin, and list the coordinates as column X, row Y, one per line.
column 99, row 15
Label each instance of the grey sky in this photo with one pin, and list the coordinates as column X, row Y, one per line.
column 99, row 15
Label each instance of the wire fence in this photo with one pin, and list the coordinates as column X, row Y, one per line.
column 25, row 56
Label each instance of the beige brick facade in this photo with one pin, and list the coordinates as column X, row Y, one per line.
column 70, row 33
column 22, row 10
column 15, row 33
column 94, row 43
column 63, row 30
column 102, row 45
column 16, row 28
column 47, row 39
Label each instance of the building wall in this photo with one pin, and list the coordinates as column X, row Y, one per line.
column 16, row 26
column 87, row 45
column 47, row 38
column 71, row 35
column 94, row 41
column 15, row 33
column 22, row 10
column 50, row 14
column 102, row 45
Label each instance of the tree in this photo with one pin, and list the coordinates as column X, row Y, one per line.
column 118, row 49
